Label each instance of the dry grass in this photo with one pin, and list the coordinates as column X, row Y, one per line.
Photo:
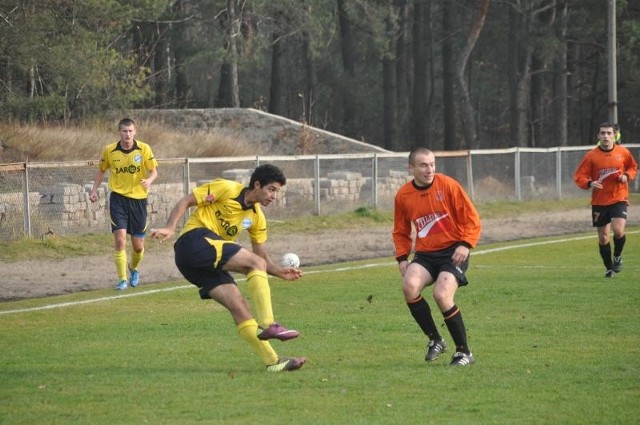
column 37, row 143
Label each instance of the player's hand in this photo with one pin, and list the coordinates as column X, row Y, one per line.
column 403, row 266
column 162, row 234
column 145, row 183
column 460, row 255
column 93, row 196
column 290, row 273
column 622, row 178
column 596, row 184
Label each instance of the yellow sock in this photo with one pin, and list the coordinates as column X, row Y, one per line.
column 120, row 258
column 248, row 331
column 261, row 295
column 136, row 257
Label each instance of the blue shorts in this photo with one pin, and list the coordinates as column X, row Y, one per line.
column 440, row 261
column 200, row 255
column 128, row 213
column 601, row 215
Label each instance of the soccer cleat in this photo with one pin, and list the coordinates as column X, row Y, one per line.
column 286, row 364
column 434, row 349
column 609, row 273
column 462, row 359
column 134, row 279
column 279, row 332
column 122, row 285
column 617, row 264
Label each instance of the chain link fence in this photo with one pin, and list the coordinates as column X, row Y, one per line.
column 37, row 199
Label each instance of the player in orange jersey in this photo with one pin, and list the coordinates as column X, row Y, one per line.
column 606, row 170
column 446, row 226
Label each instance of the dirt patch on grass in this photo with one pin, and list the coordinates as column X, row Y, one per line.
column 31, row 279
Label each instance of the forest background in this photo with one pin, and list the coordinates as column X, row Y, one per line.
column 458, row 74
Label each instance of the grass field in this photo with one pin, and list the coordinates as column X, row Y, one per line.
column 555, row 343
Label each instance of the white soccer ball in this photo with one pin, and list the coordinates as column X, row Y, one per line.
column 290, row 260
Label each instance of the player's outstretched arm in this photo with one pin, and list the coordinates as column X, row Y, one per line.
column 176, row 214
column 286, row 272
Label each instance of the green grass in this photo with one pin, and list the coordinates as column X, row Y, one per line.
column 555, row 343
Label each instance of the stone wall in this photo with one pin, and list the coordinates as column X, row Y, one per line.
column 65, row 208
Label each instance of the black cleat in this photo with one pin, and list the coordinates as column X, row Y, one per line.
column 617, row 264
column 434, row 349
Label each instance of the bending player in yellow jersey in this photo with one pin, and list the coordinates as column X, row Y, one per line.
column 206, row 252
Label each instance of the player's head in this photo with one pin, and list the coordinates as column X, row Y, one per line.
column 127, row 130
column 422, row 164
column 126, row 122
column 606, row 135
column 266, row 180
column 418, row 150
column 266, row 174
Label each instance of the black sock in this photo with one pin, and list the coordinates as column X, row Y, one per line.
column 422, row 314
column 455, row 324
column 618, row 245
column 605, row 253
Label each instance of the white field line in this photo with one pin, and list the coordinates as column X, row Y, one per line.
column 341, row 269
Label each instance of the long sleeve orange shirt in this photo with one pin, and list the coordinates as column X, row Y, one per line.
column 441, row 215
column 606, row 167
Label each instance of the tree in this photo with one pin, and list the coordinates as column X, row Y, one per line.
column 560, row 95
column 67, row 60
column 348, row 52
column 229, row 92
column 467, row 112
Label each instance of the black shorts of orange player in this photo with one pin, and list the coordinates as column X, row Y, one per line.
column 440, row 261
column 128, row 213
column 200, row 255
column 601, row 215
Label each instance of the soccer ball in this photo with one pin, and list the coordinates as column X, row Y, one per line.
column 290, row 260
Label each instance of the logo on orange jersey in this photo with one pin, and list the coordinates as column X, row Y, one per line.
column 427, row 224
column 608, row 172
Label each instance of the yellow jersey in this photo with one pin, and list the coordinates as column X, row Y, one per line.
column 127, row 168
column 221, row 209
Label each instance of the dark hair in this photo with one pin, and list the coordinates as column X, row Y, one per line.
column 266, row 174
column 607, row 125
column 126, row 122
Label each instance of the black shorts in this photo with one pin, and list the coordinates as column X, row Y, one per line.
column 200, row 255
column 128, row 213
column 601, row 215
column 440, row 261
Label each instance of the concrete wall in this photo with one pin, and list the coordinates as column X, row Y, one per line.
column 269, row 134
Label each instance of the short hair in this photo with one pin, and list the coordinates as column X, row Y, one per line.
column 607, row 125
column 415, row 151
column 126, row 122
column 265, row 174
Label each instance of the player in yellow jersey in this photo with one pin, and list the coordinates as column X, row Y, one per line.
column 206, row 253
column 132, row 168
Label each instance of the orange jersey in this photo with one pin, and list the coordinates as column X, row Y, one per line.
column 606, row 167
column 441, row 215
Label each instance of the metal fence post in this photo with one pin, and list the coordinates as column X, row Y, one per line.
column 516, row 174
column 558, row 174
column 25, row 197
column 316, row 184
column 470, row 175
column 374, row 181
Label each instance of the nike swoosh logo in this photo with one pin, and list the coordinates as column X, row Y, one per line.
column 604, row 176
column 422, row 233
